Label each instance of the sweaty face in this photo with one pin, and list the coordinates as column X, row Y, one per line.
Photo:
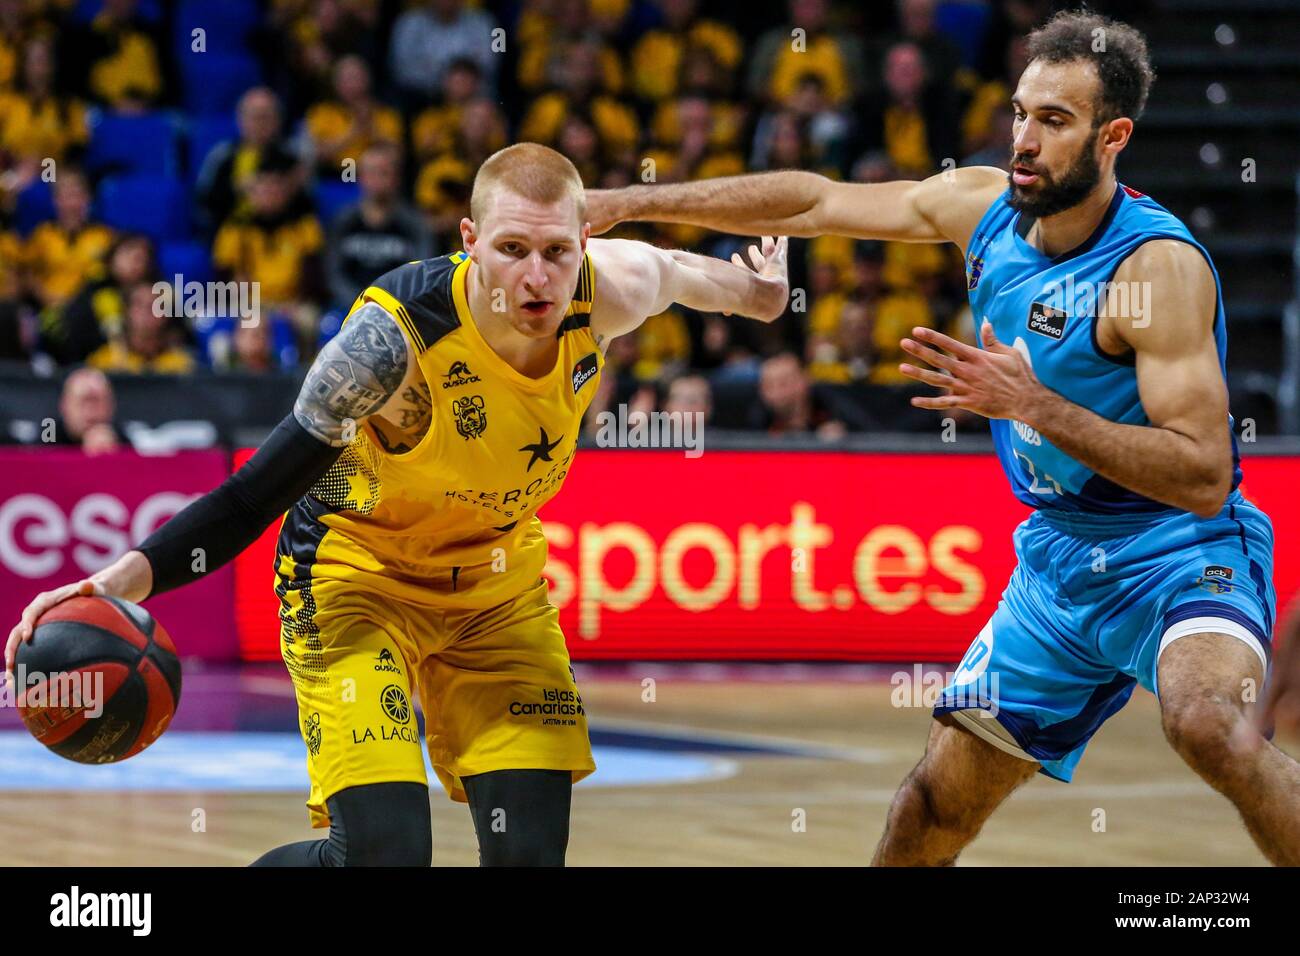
column 1054, row 156
column 529, row 255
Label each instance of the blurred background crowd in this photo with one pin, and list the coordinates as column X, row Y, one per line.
column 311, row 145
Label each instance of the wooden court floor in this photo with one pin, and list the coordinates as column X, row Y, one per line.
column 845, row 748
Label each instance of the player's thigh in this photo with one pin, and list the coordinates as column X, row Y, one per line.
column 1211, row 644
column 501, row 695
column 349, row 659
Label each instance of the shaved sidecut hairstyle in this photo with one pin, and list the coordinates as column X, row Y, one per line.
column 531, row 170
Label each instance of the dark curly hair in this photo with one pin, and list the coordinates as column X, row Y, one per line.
column 1117, row 50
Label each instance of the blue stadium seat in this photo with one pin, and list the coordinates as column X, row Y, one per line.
column 132, row 144
column 208, row 331
column 284, row 344
column 214, row 335
column 965, row 24
column 331, row 197
column 154, row 205
column 35, row 205
column 192, row 260
column 329, row 326
column 226, row 23
column 214, row 82
column 205, row 133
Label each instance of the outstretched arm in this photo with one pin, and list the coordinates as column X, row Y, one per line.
column 351, row 379
column 638, row 280
column 1183, row 458
column 792, row 202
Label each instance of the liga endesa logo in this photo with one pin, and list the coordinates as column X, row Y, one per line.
column 699, row 566
column 39, row 538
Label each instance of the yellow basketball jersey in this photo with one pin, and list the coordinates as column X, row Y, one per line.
column 452, row 522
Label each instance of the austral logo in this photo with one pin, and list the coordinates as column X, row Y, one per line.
column 459, row 374
column 393, row 700
column 471, row 416
column 386, row 662
column 583, row 371
column 1045, row 320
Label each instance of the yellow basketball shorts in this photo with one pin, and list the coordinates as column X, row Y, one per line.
column 495, row 686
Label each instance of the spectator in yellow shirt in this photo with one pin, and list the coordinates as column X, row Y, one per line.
column 150, row 343
column 277, row 244
column 849, row 356
column 96, row 314
column 36, row 123
column 664, row 53
column 806, row 45
column 344, row 127
column 227, row 170
column 580, row 92
column 442, row 128
column 122, row 58
column 61, row 256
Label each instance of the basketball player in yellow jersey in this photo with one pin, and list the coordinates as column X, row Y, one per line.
column 425, row 438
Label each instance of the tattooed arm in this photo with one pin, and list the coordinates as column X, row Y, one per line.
column 354, row 377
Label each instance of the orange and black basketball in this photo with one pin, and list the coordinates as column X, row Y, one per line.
column 99, row 681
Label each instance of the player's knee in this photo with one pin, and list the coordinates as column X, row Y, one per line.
column 381, row 824
column 1200, row 729
column 933, row 806
column 521, row 848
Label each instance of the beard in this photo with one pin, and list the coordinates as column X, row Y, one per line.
column 1055, row 194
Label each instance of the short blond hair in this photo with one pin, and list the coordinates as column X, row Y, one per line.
column 531, row 170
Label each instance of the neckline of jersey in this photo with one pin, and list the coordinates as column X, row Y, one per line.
column 460, row 296
column 1116, row 198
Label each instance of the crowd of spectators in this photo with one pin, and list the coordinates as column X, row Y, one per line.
column 354, row 136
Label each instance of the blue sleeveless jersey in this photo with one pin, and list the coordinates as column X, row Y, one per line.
column 1047, row 308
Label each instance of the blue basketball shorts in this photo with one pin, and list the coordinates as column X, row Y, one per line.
column 1092, row 603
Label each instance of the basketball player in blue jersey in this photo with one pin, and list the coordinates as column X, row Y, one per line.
column 1101, row 366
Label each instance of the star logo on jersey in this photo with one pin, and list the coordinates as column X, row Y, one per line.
column 541, row 449
column 471, row 417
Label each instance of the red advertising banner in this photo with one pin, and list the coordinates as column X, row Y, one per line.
column 780, row 555
column 64, row 515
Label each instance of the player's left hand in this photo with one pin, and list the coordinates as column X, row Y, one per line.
column 769, row 261
column 995, row 381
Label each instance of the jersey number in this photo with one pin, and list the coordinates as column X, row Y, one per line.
column 1034, row 486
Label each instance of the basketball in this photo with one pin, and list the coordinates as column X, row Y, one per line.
column 99, row 681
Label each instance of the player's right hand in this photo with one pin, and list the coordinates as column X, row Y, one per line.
column 26, row 626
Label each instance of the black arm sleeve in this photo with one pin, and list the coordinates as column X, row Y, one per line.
column 228, row 519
